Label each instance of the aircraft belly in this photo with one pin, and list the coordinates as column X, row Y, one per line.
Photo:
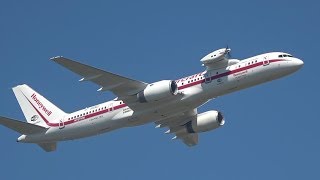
column 192, row 98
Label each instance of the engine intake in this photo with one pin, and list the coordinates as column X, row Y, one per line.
column 157, row 91
column 205, row 122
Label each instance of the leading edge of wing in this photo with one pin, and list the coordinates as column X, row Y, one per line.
column 119, row 85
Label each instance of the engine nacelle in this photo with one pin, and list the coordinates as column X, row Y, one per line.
column 157, row 91
column 215, row 56
column 205, row 122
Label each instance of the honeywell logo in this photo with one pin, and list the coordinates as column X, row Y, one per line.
column 40, row 105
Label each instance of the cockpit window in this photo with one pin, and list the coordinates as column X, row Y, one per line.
column 285, row 55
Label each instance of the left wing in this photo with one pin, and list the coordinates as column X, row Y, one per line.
column 119, row 85
column 179, row 125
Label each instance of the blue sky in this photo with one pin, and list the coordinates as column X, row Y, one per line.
column 272, row 130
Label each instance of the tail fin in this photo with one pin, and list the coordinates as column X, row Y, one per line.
column 36, row 108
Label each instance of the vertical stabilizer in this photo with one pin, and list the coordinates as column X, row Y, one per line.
column 36, row 108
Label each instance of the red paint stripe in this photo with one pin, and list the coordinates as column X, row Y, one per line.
column 87, row 116
column 77, row 119
column 227, row 73
column 45, row 120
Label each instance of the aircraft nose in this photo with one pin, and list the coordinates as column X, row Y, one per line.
column 298, row 63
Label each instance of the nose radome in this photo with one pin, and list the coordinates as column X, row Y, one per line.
column 299, row 63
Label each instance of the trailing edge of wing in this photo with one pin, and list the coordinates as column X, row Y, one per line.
column 21, row 127
column 119, row 85
column 176, row 125
column 48, row 147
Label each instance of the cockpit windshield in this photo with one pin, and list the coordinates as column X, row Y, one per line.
column 285, row 55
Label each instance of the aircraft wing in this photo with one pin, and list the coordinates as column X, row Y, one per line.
column 119, row 85
column 177, row 125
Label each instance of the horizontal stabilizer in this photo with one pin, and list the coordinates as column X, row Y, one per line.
column 21, row 127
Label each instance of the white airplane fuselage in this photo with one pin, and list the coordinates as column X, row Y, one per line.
column 193, row 91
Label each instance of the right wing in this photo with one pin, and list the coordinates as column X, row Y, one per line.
column 179, row 125
column 119, row 85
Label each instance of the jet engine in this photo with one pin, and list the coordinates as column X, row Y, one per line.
column 216, row 56
column 157, row 91
column 205, row 122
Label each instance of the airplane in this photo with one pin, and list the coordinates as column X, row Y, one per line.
column 168, row 103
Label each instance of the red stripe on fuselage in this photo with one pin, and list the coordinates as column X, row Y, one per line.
column 226, row 74
column 77, row 119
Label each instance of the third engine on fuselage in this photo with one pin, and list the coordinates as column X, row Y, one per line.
column 216, row 56
column 218, row 59
column 158, row 90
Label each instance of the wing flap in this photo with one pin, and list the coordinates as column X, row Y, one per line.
column 176, row 126
column 191, row 139
column 48, row 147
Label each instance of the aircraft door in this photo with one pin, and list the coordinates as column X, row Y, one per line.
column 111, row 107
column 266, row 61
column 207, row 77
column 61, row 124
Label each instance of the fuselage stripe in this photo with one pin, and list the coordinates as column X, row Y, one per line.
column 226, row 74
